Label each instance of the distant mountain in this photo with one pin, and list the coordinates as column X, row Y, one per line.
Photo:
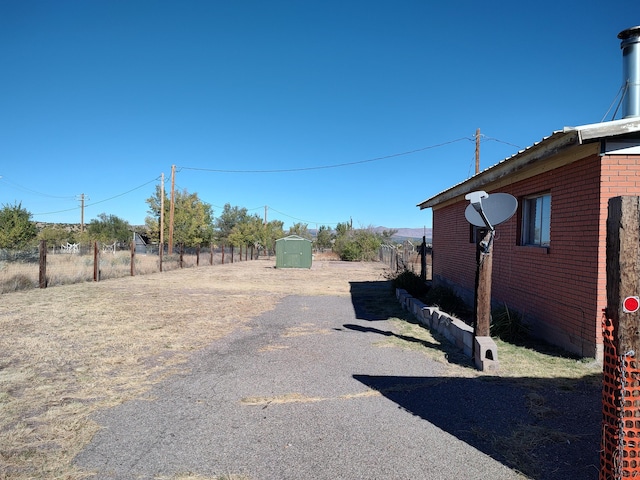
column 407, row 233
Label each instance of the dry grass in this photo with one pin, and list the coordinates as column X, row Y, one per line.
column 69, row 351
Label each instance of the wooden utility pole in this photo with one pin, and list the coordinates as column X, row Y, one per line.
column 477, row 151
column 161, row 218
column 483, row 285
column 172, row 206
column 81, row 212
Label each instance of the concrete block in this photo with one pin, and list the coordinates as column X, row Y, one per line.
column 425, row 316
column 486, row 355
column 416, row 307
column 467, row 343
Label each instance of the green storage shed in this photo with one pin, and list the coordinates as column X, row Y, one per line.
column 293, row 252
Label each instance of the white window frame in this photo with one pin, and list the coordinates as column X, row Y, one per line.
column 536, row 220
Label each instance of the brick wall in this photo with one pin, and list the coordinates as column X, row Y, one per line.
column 561, row 290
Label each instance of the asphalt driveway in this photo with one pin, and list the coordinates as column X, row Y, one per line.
column 305, row 391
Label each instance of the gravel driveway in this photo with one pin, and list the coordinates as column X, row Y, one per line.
column 305, row 391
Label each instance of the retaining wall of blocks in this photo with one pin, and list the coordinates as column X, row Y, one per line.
column 455, row 331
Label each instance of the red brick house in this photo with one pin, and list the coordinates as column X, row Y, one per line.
column 549, row 258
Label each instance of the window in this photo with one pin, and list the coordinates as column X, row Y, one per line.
column 536, row 220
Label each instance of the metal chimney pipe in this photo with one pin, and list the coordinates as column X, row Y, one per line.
column 630, row 46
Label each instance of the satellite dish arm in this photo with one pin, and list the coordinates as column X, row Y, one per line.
column 476, row 200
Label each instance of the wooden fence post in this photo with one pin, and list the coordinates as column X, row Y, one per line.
column 133, row 258
column 620, row 450
column 96, row 262
column 231, row 253
column 197, row 255
column 223, row 254
column 161, row 252
column 211, row 254
column 42, row 277
column 181, row 255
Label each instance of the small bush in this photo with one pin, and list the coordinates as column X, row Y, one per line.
column 16, row 283
column 409, row 281
column 508, row 325
column 447, row 300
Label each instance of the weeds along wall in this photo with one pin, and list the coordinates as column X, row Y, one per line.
column 48, row 266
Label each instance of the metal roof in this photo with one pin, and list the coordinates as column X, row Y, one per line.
column 548, row 146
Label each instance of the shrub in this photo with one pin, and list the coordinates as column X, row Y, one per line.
column 447, row 300
column 508, row 325
column 411, row 282
column 16, row 283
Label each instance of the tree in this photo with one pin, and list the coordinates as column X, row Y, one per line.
column 388, row 234
column 56, row 235
column 272, row 232
column 192, row 219
column 356, row 245
column 152, row 221
column 109, row 229
column 301, row 230
column 16, row 228
column 228, row 219
column 323, row 237
column 249, row 231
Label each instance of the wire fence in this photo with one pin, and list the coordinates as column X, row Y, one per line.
column 47, row 266
column 405, row 257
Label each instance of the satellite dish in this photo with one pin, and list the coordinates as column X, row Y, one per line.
column 497, row 208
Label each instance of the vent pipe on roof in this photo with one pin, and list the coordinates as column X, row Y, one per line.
column 630, row 46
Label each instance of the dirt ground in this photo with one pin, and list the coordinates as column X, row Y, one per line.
column 68, row 351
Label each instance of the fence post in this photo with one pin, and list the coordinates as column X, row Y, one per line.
column 133, row 258
column 620, row 449
column 96, row 262
column 251, row 252
column 181, row 255
column 42, row 277
column 161, row 252
column 223, row 254
column 211, row 254
column 197, row 255
column 231, row 253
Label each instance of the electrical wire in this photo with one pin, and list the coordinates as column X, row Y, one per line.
column 300, row 219
column 100, row 201
column 324, row 167
column 20, row 187
column 501, row 141
column 124, row 193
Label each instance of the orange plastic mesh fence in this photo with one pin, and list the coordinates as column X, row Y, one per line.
column 620, row 448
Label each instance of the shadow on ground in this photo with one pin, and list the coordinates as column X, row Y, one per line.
column 548, row 429
column 557, row 440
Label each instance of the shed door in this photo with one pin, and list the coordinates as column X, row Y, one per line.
column 293, row 253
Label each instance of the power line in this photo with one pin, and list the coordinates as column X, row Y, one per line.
column 300, row 219
column 100, row 201
column 323, row 167
column 124, row 193
column 501, row 141
column 20, row 187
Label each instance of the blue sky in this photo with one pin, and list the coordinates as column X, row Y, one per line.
column 302, row 106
